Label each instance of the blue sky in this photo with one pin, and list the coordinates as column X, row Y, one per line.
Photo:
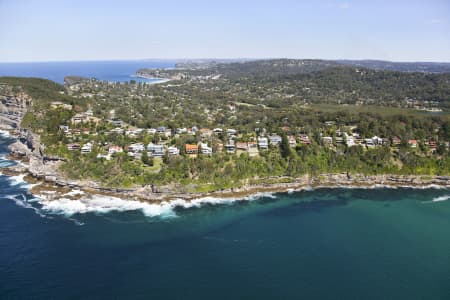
column 91, row 30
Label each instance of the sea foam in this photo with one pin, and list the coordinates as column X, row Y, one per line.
column 441, row 198
column 99, row 204
column 4, row 133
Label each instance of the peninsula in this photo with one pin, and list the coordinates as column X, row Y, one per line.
column 232, row 128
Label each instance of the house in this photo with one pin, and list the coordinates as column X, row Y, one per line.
column 87, row 148
column 217, row 130
column 78, row 118
column 304, row 139
column 191, row 149
column 339, row 140
column 230, row 147
column 241, row 147
column 182, row 130
column 369, row 143
column 327, row 140
column 117, row 123
column 72, row 147
column 155, row 150
column 275, row 140
column 396, row 141
column 151, row 131
column 205, row 149
column 137, row 147
column 64, row 128
column 377, row 140
column 161, row 129
column 263, row 142
column 117, row 130
column 412, row 143
column 349, row 140
column 114, row 149
column 173, row 150
column 231, row 131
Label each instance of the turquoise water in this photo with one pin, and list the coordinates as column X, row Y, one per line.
column 321, row 244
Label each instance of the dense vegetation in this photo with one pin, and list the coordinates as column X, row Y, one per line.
column 286, row 97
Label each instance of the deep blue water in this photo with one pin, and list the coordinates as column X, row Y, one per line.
column 321, row 244
column 119, row 71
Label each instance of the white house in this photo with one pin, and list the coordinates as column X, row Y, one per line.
column 263, row 142
column 155, row 150
column 275, row 140
column 87, row 148
column 173, row 150
column 205, row 149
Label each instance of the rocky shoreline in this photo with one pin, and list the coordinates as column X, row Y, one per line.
column 42, row 171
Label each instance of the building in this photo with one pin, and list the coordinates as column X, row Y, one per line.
column 72, row 147
column 327, row 140
column 155, row 150
column 173, row 151
column 114, row 149
column 263, row 142
column 230, row 147
column 87, row 148
column 412, row 143
column 231, row 131
column 304, row 139
column 205, row 149
column 275, row 140
column 137, row 147
column 191, row 150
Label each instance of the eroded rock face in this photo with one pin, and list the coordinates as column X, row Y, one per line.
column 13, row 106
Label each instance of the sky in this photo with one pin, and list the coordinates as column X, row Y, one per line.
column 64, row 30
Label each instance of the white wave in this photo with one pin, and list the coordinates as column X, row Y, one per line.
column 216, row 201
column 74, row 192
column 21, row 200
column 19, row 180
column 102, row 205
column 441, row 198
column 4, row 133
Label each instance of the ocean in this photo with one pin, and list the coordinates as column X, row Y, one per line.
column 328, row 243
column 313, row 244
column 117, row 71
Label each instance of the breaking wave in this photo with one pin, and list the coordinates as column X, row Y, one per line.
column 22, row 201
column 4, row 133
column 441, row 198
column 104, row 204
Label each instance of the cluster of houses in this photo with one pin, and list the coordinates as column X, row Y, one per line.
column 232, row 145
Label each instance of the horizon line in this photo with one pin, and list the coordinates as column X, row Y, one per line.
column 218, row 58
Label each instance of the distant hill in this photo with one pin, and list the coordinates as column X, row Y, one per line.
column 427, row 67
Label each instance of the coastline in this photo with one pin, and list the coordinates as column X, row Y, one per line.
column 41, row 174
